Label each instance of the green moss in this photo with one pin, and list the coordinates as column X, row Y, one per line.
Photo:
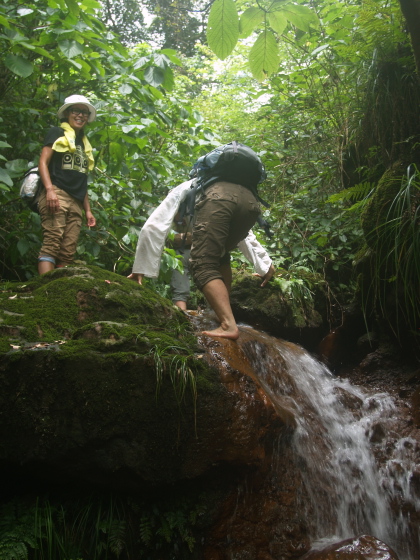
column 65, row 303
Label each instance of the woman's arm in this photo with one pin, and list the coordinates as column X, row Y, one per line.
column 53, row 203
column 90, row 218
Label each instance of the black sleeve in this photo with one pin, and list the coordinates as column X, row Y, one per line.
column 52, row 135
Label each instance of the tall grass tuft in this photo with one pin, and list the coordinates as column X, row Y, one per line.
column 396, row 258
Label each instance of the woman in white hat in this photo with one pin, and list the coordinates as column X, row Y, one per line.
column 65, row 161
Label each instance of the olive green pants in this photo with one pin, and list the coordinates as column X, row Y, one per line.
column 223, row 217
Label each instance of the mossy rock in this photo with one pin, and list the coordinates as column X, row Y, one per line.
column 60, row 305
column 103, row 382
column 98, row 375
column 281, row 315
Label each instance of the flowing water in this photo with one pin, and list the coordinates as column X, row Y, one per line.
column 341, row 431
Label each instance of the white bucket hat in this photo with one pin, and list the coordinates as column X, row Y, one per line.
column 72, row 100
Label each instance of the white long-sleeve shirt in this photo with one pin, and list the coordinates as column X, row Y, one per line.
column 153, row 235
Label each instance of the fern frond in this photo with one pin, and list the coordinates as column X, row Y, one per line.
column 356, row 193
column 146, row 531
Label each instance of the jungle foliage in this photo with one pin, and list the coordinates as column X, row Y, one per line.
column 327, row 94
column 97, row 527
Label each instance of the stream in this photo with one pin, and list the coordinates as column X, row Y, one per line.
column 358, row 470
column 340, row 432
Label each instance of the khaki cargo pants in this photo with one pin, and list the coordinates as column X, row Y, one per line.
column 61, row 229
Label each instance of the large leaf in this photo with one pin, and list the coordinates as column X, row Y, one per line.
column 73, row 7
column 168, row 81
column 4, row 21
column 5, row 178
column 250, row 19
column 301, row 16
column 171, row 54
column 264, row 56
column 70, row 48
column 23, row 246
column 154, row 76
column 19, row 65
column 223, row 28
column 125, row 89
column 278, row 21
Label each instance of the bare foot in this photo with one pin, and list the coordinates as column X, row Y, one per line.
column 231, row 334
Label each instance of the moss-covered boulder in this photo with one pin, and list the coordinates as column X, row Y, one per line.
column 103, row 381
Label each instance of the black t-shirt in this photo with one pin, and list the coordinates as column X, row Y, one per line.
column 68, row 171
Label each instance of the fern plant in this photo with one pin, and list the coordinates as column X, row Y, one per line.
column 17, row 531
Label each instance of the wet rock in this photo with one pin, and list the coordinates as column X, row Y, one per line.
column 365, row 547
column 340, row 346
column 269, row 309
column 366, row 344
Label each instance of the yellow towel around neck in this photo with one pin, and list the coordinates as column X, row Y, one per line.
column 67, row 143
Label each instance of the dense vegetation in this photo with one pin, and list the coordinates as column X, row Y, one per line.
column 328, row 94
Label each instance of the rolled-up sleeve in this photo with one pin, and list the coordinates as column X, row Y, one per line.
column 153, row 234
column 255, row 253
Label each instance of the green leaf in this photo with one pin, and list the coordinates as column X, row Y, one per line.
column 4, row 21
column 160, row 60
column 301, row 16
column 154, row 76
column 92, row 4
column 319, row 49
column 125, row 89
column 278, row 21
column 168, row 81
column 120, row 231
column 70, row 48
column 19, row 65
column 23, row 246
column 223, row 28
column 5, row 178
column 264, row 56
column 76, row 64
column 116, row 150
column 250, row 19
column 73, row 7
column 4, row 144
column 171, row 54
column 43, row 52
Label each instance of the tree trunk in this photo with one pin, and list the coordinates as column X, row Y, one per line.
column 411, row 11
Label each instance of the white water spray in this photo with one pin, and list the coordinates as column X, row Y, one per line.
column 337, row 427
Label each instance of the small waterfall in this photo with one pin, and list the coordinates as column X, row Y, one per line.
column 356, row 471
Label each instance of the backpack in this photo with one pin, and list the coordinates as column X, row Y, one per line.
column 233, row 162
column 30, row 189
